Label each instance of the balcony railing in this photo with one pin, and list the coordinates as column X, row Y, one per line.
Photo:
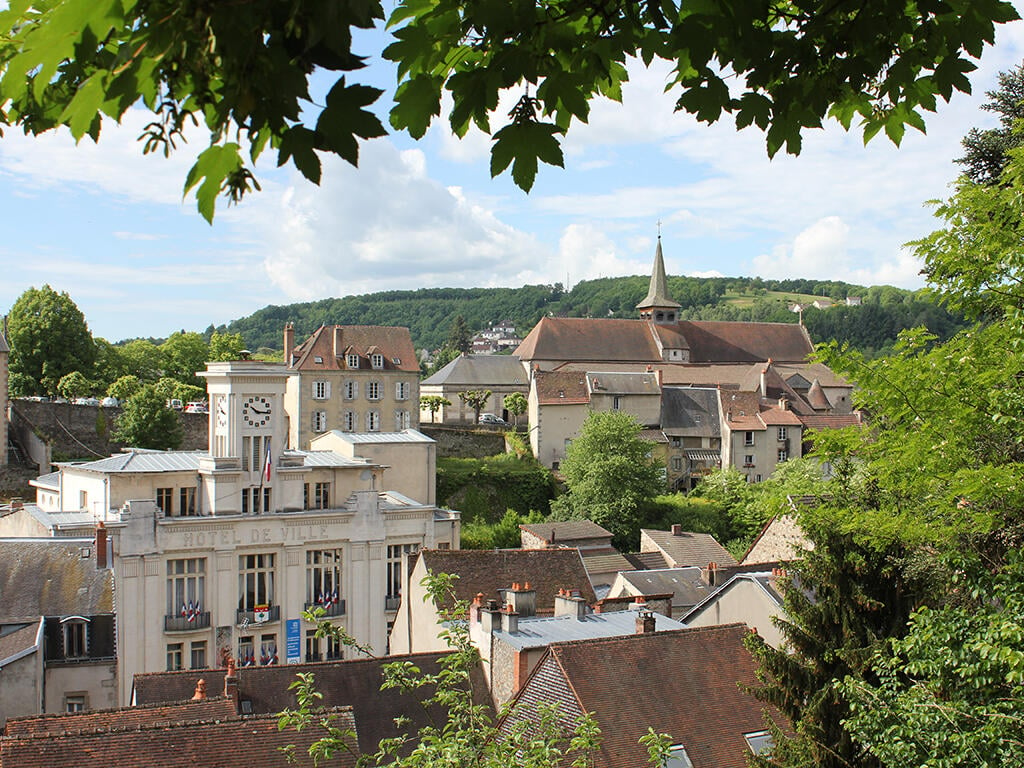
column 249, row 617
column 314, row 657
column 334, row 609
column 179, row 623
column 392, row 603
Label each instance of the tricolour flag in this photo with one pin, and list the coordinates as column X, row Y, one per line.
column 266, row 464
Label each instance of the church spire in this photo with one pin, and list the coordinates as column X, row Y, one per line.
column 657, row 306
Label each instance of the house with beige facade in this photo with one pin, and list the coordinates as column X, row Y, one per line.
column 218, row 553
column 352, row 378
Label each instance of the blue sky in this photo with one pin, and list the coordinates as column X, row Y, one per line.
column 109, row 226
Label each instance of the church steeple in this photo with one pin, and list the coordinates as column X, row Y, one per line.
column 657, row 306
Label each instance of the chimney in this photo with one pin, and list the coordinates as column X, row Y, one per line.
column 523, row 599
column 16, row 505
column 231, row 682
column 710, row 574
column 645, row 623
column 101, row 546
column 490, row 617
column 474, row 608
column 764, row 382
column 509, row 620
column 639, row 604
column 200, row 693
column 784, row 403
column 570, row 604
column 677, row 529
column 339, row 350
column 289, row 343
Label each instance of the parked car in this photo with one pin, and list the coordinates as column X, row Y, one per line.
column 197, row 406
column 86, row 401
column 110, row 402
column 490, row 418
column 175, row 403
column 59, row 400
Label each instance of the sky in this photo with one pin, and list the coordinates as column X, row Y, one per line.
column 110, row 227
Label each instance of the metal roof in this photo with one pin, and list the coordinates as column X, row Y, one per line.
column 51, row 480
column 371, row 438
column 330, row 459
column 142, row 461
column 536, row 632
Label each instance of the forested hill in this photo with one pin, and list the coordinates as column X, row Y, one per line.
column 429, row 312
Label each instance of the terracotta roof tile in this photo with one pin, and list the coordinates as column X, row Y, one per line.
column 832, row 420
column 392, row 342
column 578, row 338
column 489, row 571
column 734, row 342
column 354, row 683
column 558, row 387
column 567, row 531
column 690, row 684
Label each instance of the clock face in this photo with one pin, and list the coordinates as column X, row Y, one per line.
column 222, row 412
column 256, row 411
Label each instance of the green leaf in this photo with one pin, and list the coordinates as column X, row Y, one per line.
column 344, row 118
column 212, row 168
column 417, row 102
column 298, row 144
column 522, row 145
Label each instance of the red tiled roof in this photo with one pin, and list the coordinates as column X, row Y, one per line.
column 218, row 708
column 392, row 342
column 582, row 338
column 240, row 742
column 355, row 683
column 487, row 571
column 567, row 531
column 735, row 342
column 561, row 388
column 832, row 420
column 690, row 684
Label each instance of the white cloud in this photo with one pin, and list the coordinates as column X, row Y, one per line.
column 387, row 225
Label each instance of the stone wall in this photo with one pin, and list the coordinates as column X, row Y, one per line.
column 84, row 431
column 465, row 442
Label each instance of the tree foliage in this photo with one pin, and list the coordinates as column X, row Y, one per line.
column 147, row 422
column 516, row 404
column 243, row 71
column 433, row 403
column 459, row 336
column 49, row 339
column 475, row 399
column 610, row 474
column 986, row 151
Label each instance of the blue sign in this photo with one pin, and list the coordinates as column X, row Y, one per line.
column 293, row 644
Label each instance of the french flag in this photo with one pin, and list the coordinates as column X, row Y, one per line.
column 266, row 464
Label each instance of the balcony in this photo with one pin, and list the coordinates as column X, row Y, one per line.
column 179, row 623
column 249, row 617
column 314, row 657
column 392, row 603
column 334, row 609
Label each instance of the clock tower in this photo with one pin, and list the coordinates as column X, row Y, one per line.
column 248, row 433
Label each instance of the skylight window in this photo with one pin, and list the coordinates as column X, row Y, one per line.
column 759, row 741
column 677, row 757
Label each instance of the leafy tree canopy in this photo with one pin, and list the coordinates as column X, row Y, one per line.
column 147, row 422
column 49, row 338
column 243, row 71
column 985, row 151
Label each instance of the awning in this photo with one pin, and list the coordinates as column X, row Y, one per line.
column 694, row 455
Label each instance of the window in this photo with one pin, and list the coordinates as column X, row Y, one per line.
column 319, row 421
column 245, row 453
column 164, row 500
column 402, row 420
column 321, row 495
column 616, row 403
column 677, row 464
column 74, row 702
column 323, row 577
column 83, row 499
column 394, row 566
column 75, row 637
column 696, row 418
column 175, row 654
column 268, row 650
column 318, row 359
column 352, row 361
column 315, row 645
column 186, row 587
column 748, row 438
column 348, row 421
column 759, row 741
column 373, row 421
column 377, row 360
column 402, row 390
column 373, row 390
column 677, row 757
column 757, row 478
column 748, row 460
column 321, row 390
column 783, row 434
column 198, row 651
column 255, row 581
column 351, row 390
column 396, row 360
column 245, row 501
column 783, row 455
column 246, row 651
column 187, row 502
column 675, row 442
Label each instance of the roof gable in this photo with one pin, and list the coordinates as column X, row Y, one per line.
column 326, row 348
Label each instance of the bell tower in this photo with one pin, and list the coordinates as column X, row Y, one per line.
column 657, row 307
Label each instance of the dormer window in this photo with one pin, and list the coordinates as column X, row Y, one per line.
column 75, row 637
column 318, row 360
column 396, row 360
column 352, row 361
column 377, row 360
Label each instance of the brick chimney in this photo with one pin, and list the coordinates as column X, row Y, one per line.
column 677, row 529
column 645, row 623
column 200, row 693
column 231, row 682
column 569, row 603
column 289, row 343
column 474, row 608
column 710, row 574
column 523, row 599
column 101, row 546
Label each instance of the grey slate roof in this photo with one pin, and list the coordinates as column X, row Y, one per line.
column 50, row 480
column 19, row 643
column 690, row 412
column 685, row 584
column 51, row 577
column 480, row 371
column 616, row 383
column 538, row 632
column 568, row 530
column 687, row 548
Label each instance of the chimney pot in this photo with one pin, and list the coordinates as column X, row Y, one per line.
column 645, row 623
column 677, row 529
column 200, row 693
column 101, row 545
